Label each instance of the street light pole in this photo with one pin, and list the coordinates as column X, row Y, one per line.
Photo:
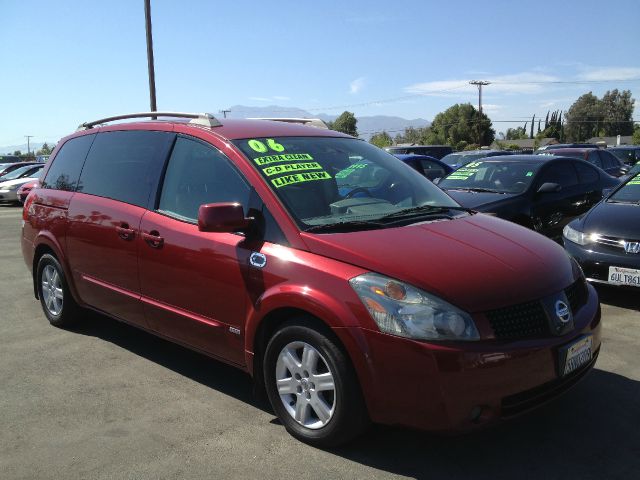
column 152, row 75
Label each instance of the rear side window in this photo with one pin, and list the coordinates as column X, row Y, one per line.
column 120, row 165
column 67, row 164
column 432, row 169
column 198, row 174
column 586, row 173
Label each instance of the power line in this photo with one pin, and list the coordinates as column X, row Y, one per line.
column 443, row 90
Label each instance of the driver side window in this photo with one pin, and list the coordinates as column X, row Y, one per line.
column 561, row 173
column 198, row 174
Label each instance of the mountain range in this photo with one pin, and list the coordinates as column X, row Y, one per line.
column 367, row 125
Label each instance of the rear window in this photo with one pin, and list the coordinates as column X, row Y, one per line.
column 119, row 165
column 67, row 164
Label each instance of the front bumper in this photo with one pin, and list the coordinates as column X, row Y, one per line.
column 596, row 259
column 8, row 195
column 457, row 387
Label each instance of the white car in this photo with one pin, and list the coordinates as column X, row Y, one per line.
column 9, row 187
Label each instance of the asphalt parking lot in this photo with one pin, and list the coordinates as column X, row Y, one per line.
column 109, row 401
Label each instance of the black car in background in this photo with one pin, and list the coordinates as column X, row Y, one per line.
column 596, row 156
column 460, row 159
column 10, row 167
column 628, row 154
column 606, row 241
column 436, row 151
column 540, row 192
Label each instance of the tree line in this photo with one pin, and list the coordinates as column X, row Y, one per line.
column 44, row 150
column 463, row 127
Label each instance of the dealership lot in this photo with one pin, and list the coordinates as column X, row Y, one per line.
column 109, row 401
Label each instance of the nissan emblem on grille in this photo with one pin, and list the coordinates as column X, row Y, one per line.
column 632, row 247
column 562, row 311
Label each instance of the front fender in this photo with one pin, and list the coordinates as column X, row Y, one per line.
column 334, row 312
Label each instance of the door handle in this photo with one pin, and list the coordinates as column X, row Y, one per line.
column 125, row 233
column 153, row 239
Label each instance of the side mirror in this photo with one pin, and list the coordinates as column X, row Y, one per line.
column 222, row 217
column 549, row 187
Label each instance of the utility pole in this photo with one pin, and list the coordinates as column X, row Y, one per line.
column 152, row 74
column 28, row 137
column 224, row 112
column 479, row 84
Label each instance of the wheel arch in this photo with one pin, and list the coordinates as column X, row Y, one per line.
column 348, row 339
column 45, row 244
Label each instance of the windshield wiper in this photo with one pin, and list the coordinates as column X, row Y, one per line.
column 425, row 209
column 347, row 225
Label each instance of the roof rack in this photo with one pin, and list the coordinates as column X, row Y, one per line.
column 313, row 122
column 205, row 119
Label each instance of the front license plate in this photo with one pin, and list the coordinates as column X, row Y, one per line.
column 624, row 276
column 576, row 354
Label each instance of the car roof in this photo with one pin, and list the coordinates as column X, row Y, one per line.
column 406, row 156
column 474, row 152
column 231, row 129
column 572, row 149
column 520, row 158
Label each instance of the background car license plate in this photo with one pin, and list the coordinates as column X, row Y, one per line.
column 576, row 354
column 624, row 276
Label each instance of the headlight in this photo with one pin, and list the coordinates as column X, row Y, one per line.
column 576, row 236
column 403, row 310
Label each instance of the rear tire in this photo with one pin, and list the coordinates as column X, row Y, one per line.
column 312, row 387
column 53, row 290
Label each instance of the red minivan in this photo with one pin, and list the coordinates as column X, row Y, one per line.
column 346, row 284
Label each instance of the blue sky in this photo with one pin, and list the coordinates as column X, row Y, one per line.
column 71, row 61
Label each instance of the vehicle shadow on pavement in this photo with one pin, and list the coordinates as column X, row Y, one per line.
column 198, row 367
column 591, row 432
column 623, row 297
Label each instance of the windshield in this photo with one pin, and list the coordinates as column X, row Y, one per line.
column 492, row 176
column 17, row 173
column 628, row 193
column 461, row 158
column 325, row 180
column 627, row 155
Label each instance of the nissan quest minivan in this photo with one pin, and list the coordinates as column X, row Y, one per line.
column 345, row 283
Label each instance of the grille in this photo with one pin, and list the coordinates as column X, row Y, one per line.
column 529, row 320
column 525, row 320
column 577, row 295
column 614, row 242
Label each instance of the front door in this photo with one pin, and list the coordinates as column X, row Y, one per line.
column 194, row 283
column 551, row 211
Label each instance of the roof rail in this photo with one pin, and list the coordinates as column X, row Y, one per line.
column 205, row 119
column 313, row 122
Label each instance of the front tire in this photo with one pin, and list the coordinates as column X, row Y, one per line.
column 312, row 386
column 53, row 290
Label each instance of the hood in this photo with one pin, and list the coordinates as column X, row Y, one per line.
column 482, row 201
column 477, row 262
column 17, row 181
column 613, row 219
